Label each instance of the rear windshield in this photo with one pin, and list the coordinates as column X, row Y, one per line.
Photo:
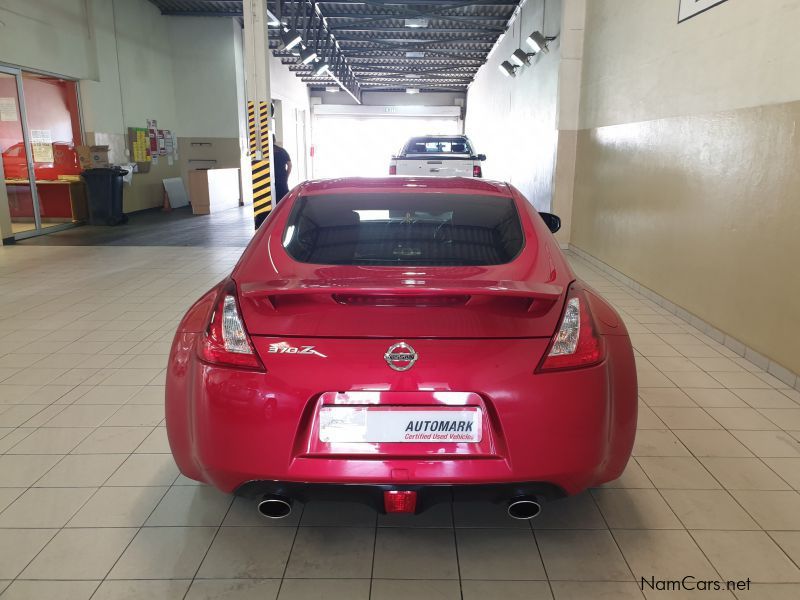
column 433, row 145
column 403, row 229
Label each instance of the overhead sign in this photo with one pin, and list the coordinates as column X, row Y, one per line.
column 690, row 8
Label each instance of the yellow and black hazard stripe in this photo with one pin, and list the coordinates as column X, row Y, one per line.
column 262, row 178
column 262, row 192
column 251, row 126
column 263, row 128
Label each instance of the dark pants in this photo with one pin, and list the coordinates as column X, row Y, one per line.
column 281, row 189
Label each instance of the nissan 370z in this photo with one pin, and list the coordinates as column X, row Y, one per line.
column 402, row 341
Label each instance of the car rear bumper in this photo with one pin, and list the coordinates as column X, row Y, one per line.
column 562, row 431
column 372, row 495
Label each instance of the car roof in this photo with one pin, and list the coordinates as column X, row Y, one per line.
column 399, row 183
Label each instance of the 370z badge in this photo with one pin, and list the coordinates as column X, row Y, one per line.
column 401, row 356
column 284, row 348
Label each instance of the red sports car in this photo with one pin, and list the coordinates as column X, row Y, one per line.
column 398, row 341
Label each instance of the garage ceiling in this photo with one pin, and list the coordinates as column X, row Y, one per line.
column 378, row 44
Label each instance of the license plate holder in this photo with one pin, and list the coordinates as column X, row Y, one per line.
column 400, row 424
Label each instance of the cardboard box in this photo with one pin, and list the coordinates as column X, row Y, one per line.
column 93, row 157
column 198, row 192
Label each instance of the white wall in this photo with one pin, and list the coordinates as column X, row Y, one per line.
column 513, row 120
column 205, row 98
column 284, row 84
column 293, row 117
column 100, row 95
column 49, row 35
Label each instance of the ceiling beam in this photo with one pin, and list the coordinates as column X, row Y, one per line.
column 413, row 45
column 424, row 88
column 445, row 5
column 364, row 41
column 391, row 61
column 492, row 32
column 402, row 16
column 201, row 13
column 444, row 52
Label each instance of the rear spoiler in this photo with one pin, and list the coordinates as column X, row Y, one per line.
column 544, row 293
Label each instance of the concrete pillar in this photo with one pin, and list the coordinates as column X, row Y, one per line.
column 569, row 95
column 259, row 143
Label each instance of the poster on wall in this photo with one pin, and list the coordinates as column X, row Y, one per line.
column 162, row 143
column 168, row 145
column 152, row 132
column 8, row 109
column 139, row 141
column 42, row 145
column 690, row 8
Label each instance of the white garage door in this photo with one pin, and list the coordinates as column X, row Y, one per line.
column 358, row 141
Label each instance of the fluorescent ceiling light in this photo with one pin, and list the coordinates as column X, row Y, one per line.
column 412, row 90
column 333, row 89
column 411, row 76
column 321, row 68
column 290, row 38
column 272, row 19
column 307, row 55
column 422, row 22
column 507, row 69
column 415, row 54
column 537, row 42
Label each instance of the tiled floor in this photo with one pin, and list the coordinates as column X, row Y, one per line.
column 91, row 505
column 231, row 227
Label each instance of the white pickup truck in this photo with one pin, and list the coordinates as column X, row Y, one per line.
column 437, row 156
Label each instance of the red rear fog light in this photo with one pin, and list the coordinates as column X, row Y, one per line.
column 400, row 501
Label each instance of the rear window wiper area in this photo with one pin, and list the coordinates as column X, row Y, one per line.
column 431, row 229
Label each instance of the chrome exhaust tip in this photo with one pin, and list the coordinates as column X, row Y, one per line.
column 524, row 508
column 275, row 507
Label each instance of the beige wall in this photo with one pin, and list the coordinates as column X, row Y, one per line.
column 687, row 175
column 640, row 64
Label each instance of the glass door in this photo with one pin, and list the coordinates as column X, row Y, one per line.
column 51, row 108
column 39, row 136
column 15, row 147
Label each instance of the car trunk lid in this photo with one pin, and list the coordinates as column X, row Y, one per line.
column 435, row 165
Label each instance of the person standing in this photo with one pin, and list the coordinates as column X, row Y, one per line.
column 283, row 167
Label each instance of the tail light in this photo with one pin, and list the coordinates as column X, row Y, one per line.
column 226, row 341
column 576, row 344
column 477, row 171
column 392, row 169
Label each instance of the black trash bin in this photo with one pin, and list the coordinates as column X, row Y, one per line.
column 104, row 186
